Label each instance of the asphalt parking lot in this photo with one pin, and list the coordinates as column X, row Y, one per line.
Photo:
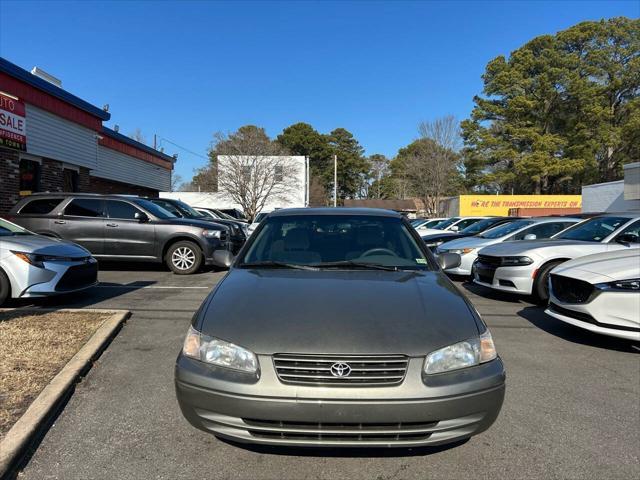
column 572, row 407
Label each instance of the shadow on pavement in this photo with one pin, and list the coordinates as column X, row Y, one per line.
column 485, row 292
column 129, row 266
column 343, row 452
column 85, row 298
column 537, row 317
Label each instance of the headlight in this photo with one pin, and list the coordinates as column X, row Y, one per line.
column 212, row 233
column 515, row 261
column 461, row 355
column 461, row 251
column 218, row 352
column 38, row 260
column 632, row 284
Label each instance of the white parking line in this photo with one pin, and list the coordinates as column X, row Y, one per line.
column 147, row 287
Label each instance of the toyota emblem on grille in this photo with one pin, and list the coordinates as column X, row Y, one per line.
column 340, row 369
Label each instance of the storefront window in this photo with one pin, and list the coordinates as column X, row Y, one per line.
column 29, row 176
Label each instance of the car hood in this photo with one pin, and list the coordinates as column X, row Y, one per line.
column 429, row 231
column 603, row 267
column 43, row 245
column 338, row 312
column 469, row 242
column 572, row 248
column 446, row 236
column 194, row 223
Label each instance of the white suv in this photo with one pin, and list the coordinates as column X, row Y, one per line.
column 523, row 267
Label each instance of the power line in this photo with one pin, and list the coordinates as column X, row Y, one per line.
column 183, row 148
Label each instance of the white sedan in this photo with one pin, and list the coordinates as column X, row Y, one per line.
column 600, row 293
column 522, row 229
column 453, row 224
column 523, row 267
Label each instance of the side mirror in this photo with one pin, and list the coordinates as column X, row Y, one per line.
column 455, row 228
column 141, row 217
column 530, row 236
column 223, row 258
column 627, row 238
column 61, row 214
column 449, row 260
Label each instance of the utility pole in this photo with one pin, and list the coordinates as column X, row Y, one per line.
column 335, row 181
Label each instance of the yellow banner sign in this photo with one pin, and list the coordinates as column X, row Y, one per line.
column 481, row 205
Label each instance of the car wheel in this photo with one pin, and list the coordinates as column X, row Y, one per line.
column 541, row 283
column 184, row 258
column 5, row 287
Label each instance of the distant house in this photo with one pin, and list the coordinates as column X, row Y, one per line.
column 409, row 207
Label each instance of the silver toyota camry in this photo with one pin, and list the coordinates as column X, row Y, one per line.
column 34, row 265
column 354, row 337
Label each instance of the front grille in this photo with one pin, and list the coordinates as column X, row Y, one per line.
column 365, row 369
column 490, row 261
column 78, row 276
column 485, row 268
column 571, row 290
column 346, row 432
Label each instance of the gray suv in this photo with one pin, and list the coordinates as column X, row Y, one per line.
column 117, row 227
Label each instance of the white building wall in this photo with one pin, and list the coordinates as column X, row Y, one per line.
column 607, row 197
column 296, row 198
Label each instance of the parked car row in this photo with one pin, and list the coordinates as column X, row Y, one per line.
column 50, row 241
column 586, row 270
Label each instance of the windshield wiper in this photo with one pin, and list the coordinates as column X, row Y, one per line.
column 363, row 265
column 274, row 264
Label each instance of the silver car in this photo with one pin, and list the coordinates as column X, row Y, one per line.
column 34, row 266
column 355, row 338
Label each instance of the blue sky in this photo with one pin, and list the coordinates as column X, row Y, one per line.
column 184, row 70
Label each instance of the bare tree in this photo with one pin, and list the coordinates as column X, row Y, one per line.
column 378, row 168
column 176, row 181
column 434, row 161
column 138, row 136
column 252, row 169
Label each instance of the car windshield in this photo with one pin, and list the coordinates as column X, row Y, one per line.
column 594, row 229
column 8, row 229
column 480, row 226
column 154, row 209
column 260, row 217
column 335, row 241
column 190, row 211
column 504, row 230
column 445, row 223
column 432, row 223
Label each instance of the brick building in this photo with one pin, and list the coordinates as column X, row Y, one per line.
column 51, row 140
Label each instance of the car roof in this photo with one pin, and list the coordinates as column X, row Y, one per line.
column 378, row 212
column 553, row 219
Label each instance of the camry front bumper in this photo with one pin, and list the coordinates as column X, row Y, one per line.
column 417, row 412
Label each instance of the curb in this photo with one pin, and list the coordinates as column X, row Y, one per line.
column 19, row 437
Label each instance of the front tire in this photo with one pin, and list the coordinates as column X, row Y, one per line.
column 184, row 258
column 541, row 283
column 5, row 287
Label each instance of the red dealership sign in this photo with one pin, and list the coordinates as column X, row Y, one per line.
column 13, row 125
